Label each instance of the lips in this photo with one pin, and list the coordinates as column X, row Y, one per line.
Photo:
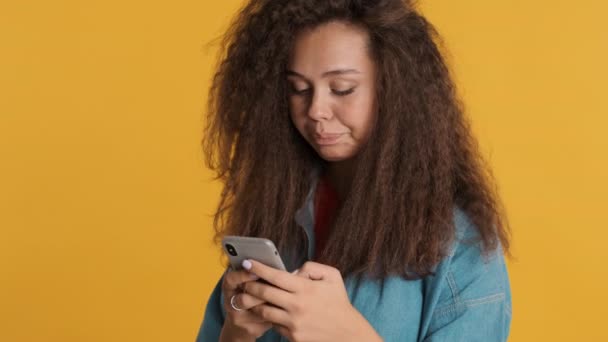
column 327, row 135
column 327, row 139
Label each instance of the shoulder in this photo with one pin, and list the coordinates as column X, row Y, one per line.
column 466, row 271
column 469, row 287
column 467, row 263
column 466, row 248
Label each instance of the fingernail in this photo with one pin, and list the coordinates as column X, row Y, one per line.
column 246, row 264
column 253, row 276
column 295, row 272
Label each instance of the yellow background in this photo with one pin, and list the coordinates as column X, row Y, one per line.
column 105, row 204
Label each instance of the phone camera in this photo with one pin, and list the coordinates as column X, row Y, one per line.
column 230, row 248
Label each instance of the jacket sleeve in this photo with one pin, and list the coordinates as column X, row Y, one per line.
column 214, row 317
column 475, row 299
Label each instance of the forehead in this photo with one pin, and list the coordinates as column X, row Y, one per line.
column 334, row 45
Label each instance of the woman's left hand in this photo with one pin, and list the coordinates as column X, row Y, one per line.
column 310, row 305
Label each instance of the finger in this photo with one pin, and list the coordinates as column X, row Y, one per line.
column 270, row 294
column 282, row 279
column 317, row 271
column 272, row 314
column 305, row 275
column 232, row 280
column 246, row 301
column 283, row 331
column 244, row 318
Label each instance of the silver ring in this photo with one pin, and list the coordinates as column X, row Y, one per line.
column 237, row 309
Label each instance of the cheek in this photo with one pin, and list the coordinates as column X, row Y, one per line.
column 359, row 116
column 295, row 108
column 298, row 120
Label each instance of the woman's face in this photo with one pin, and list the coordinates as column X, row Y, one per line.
column 332, row 89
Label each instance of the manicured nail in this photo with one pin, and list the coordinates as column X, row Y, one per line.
column 295, row 272
column 246, row 264
column 253, row 276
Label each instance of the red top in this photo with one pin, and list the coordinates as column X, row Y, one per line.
column 326, row 203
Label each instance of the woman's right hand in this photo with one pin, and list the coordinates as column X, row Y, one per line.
column 241, row 325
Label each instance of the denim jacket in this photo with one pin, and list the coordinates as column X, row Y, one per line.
column 468, row 298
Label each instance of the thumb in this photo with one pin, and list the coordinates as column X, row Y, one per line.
column 314, row 271
column 300, row 273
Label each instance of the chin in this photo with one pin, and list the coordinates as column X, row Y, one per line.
column 333, row 157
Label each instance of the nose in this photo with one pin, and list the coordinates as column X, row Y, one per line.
column 319, row 108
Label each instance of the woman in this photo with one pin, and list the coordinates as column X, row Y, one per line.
column 337, row 132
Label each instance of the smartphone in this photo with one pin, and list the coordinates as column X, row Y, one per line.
column 239, row 248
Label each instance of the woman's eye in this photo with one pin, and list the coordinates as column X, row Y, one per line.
column 304, row 91
column 297, row 91
column 343, row 92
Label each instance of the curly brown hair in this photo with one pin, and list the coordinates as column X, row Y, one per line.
column 420, row 163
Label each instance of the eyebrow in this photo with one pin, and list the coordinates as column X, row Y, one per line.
column 327, row 73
